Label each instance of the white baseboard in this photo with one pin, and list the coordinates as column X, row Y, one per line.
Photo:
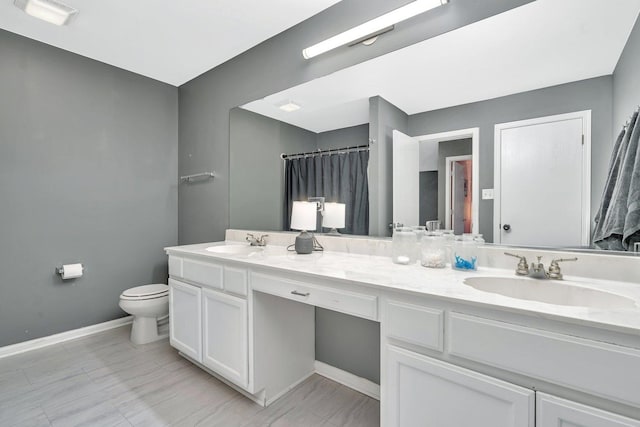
column 288, row 389
column 22, row 347
column 348, row 379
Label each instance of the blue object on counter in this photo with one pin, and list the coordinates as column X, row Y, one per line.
column 463, row 264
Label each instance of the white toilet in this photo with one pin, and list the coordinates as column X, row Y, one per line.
column 147, row 304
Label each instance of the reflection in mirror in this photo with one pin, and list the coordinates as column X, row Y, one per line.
column 473, row 77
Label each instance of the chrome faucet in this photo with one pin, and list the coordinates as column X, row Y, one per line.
column 257, row 241
column 537, row 270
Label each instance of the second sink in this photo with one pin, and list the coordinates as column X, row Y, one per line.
column 550, row 292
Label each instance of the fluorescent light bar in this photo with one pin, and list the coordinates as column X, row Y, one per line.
column 289, row 106
column 372, row 27
column 51, row 11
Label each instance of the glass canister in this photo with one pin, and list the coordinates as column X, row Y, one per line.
column 434, row 252
column 404, row 244
column 449, row 238
column 464, row 253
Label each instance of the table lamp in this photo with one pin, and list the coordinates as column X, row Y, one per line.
column 333, row 217
column 303, row 218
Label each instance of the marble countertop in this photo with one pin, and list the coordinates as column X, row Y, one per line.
column 381, row 272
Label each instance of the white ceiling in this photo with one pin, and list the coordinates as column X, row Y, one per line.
column 541, row 44
column 171, row 41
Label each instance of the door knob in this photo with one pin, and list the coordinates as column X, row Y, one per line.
column 506, row 227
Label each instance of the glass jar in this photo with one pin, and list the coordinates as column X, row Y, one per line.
column 434, row 252
column 449, row 238
column 464, row 254
column 404, row 244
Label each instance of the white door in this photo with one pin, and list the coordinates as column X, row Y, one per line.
column 226, row 336
column 552, row 411
column 426, row 392
column 542, row 181
column 185, row 319
column 406, row 179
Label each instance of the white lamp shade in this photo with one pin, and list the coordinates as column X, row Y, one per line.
column 333, row 215
column 304, row 216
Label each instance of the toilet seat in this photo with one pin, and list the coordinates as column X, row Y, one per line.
column 145, row 292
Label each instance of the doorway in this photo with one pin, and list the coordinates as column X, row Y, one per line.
column 458, row 194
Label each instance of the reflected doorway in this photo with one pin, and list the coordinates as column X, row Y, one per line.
column 458, row 194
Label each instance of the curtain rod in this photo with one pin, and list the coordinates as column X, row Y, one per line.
column 329, row 151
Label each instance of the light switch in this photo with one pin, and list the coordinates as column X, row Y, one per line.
column 487, row 194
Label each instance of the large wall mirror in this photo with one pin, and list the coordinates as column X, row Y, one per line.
column 461, row 98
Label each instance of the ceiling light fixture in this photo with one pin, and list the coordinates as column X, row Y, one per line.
column 51, row 11
column 372, row 28
column 289, row 106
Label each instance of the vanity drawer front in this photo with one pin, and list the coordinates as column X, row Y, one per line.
column 175, row 266
column 235, row 280
column 356, row 304
column 415, row 324
column 589, row 366
column 205, row 273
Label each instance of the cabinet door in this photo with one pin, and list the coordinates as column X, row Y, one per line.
column 426, row 392
column 552, row 411
column 225, row 336
column 185, row 318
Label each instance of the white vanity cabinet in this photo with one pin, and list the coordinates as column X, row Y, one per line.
column 424, row 346
column 225, row 335
column 208, row 316
column 422, row 391
column 185, row 325
column 553, row 411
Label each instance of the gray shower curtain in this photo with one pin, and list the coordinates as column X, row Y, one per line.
column 338, row 177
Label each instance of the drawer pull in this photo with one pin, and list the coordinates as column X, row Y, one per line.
column 301, row 294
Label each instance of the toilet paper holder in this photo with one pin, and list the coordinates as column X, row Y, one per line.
column 60, row 270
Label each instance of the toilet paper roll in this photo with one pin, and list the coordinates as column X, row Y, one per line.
column 71, row 271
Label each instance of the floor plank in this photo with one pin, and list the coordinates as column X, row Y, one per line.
column 105, row 380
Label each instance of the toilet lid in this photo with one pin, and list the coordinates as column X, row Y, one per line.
column 154, row 290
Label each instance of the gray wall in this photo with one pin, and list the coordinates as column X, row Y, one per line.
column 256, row 196
column 275, row 65
column 446, row 149
column 351, row 343
column 428, row 209
column 346, row 137
column 592, row 94
column 626, row 81
column 384, row 119
column 88, row 173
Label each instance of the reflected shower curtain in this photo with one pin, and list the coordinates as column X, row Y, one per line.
column 338, row 177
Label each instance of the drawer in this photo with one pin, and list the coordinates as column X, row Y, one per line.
column 235, row 280
column 589, row 366
column 356, row 304
column 175, row 266
column 415, row 324
column 205, row 273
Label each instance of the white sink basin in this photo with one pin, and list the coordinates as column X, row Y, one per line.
column 549, row 291
column 235, row 249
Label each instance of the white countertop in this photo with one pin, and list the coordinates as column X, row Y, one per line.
column 381, row 272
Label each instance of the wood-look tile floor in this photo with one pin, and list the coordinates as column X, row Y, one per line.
column 105, row 380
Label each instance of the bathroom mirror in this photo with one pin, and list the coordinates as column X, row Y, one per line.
column 470, row 78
